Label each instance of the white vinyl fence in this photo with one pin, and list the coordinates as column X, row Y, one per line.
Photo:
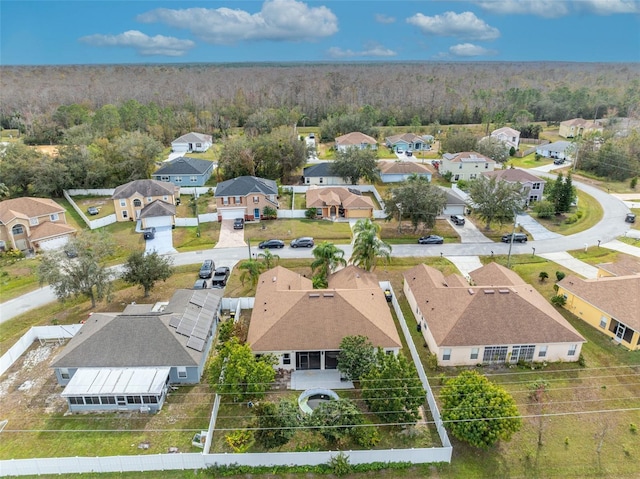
column 92, row 224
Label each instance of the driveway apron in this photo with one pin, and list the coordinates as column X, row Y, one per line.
column 229, row 237
column 162, row 243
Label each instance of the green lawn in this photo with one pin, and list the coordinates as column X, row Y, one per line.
column 103, row 203
column 588, row 207
column 286, row 230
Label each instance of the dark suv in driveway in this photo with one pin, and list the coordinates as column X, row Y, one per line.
column 457, row 219
column 238, row 223
column 517, row 238
column 206, row 270
column 304, row 242
column 149, row 233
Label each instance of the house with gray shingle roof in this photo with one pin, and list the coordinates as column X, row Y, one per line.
column 129, row 199
column 496, row 318
column 557, row 150
column 127, row 360
column 245, row 197
column 303, row 327
column 321, row 174
column 33, row 223
column 531, row 183
column 185, row 171
column 197, row 142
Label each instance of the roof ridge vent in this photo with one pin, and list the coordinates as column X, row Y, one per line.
column 328, row 295
column 489, row 291
column 314, row 295
column 503, row 291
column 471, row 291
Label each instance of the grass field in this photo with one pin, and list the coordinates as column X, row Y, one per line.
column 286, row 230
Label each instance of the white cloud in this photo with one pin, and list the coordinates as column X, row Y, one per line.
column 143, row 44
column 470, row 50
column 610, row 7
column 450, row 24
column 279, row 20
column 382, row 18
column 371, row 50
column 559, row 8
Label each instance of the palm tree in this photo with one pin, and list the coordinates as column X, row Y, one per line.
column 270, row 259
column 327, row 258
column 251, row 269
column 367, row 247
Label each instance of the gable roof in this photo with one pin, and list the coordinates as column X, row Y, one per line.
column 184, row 166
column 403, row 168
column 581, row 122
column 507, row 311
column 245, row 185
column 134, row 340
column 406, row 137
column 616, row 296
column 355, row 138
column 467, row 157
column 505, row 130
column 158, row 208
column 145, row 188
column 50, row 229
column 513, row 175
column 289, row 315
column 555, row 146
column 193, row 138
column 318, row 170
column 624, row 266
column 317, row 197
column 25, row 208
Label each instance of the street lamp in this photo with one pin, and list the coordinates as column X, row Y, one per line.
column 513, row 234
column 399, row 206
column 249, row 245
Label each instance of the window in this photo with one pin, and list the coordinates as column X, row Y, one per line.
column 476, row 165
column 474, row 353
column 178, row 179
column 33, row 221
column 193, row 179
column 472, row 176
column 536, row 186
column 165, row 178
column 456, row 177
column 225, row 200
column 307, row 180
column 165, row 198
column 603, row 322
column 134, row 400
column 486, row 166
column 286, row 358
column 256, row 199
column 495, row 354
column 446, row 354
column 54, row 217
column 198, row 145
column 237, row 200
column 572, row 350
column 123, row 203
column 91, row 400
column 149, row 400
column 149, row 199
column 460, row 166
column 522, row 353
column 125, row 214
column 76, row 400
column 64, row 373
column 182, row 372
column 107, row 400
column 542, row 352
column 318, row 211
column 321, row 180
column 137, row 203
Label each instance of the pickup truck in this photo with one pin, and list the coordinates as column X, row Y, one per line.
column 220, row 277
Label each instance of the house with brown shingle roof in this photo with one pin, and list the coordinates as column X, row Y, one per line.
column 33, row 223
column 578, row 127
column 497, row 318
column 339, row 201
column 609, row 303
column 356, row 140
column 395, row 171
column 130, row 199
column 466, row 165
column 530, row 183
column 303, row 327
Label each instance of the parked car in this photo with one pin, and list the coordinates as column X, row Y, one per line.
column 238, row 223
column 272, row 243
column 558, row 161
column 70, row 252
column 312, row 136
column 206, row 270
column 517, row 238
column 457, row 219
column 630, row 218
column 399, row 151
column 200, row 284
column 304, row 242
column 149, row 233
column 220, row 277
column 431, row 239
column 409, row 153
column 92, row 210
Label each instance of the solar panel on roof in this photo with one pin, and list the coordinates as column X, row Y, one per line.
column 186, row 326
column 175, row 320
column 198, row 298
column 196, row 343
column 201, row 329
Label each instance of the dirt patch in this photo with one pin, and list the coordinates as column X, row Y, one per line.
column 51, row 150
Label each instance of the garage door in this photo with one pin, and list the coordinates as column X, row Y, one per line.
column 54, row 243
column 157, row 221
column 231, row 213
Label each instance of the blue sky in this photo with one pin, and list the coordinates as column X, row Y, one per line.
column 138, row 31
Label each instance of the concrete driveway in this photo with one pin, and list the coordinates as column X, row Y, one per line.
column 162, row 243
column 535, row 229
column 230, row 238
column 469, row 233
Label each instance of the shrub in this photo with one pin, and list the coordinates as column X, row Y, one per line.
column 634, row 182
column 269, row 213
column 239, row 441
column 543, row 276
column 633, row 428
column 558, row 300
column 340, row 464
column 366, row 436
column 544, row 209
column 560, row 275
column 512, row 151
column 311, row 213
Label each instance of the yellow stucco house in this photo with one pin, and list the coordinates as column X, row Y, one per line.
column 150, row 201
column 339, row 202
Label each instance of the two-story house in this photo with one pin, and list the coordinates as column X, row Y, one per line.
column 578, row 127
column 355, row 140
column 532, row 184
column 508, row 136
column 33, row 223
column 185, row 171
column 467, row 165
column 145, row 200
column 245, row 197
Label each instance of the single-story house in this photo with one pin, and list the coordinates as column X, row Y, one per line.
column 131, row 198
column 303, row 327
column 245, row 197
column 610, row 303
column 33, row 223
column 508, row 136
column 339, row 202
column 466, row 165
column 126, row 361
column 578, row 127
column 185, row 171
column 192, row 142
column 355, row 140
column 395, row 171
column 407, row 141
column 321, row 174
column 529, row 182
column 557, row 149
column 456, row 201
column 494, row 318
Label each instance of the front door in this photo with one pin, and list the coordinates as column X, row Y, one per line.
column 308, row 360
column 620, row 330
column 21, row 244
column 256, row 213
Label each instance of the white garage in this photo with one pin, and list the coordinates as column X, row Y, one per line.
column 230, row 213
column 157, row 221
column 53, row 243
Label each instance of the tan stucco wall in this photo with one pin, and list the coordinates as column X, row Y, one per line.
column 351, row 213
column 9, row 239
column 131, row 210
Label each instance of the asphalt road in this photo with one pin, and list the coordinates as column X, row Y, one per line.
column 611, row 227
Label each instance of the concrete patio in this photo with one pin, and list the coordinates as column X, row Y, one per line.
column 317, row 378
